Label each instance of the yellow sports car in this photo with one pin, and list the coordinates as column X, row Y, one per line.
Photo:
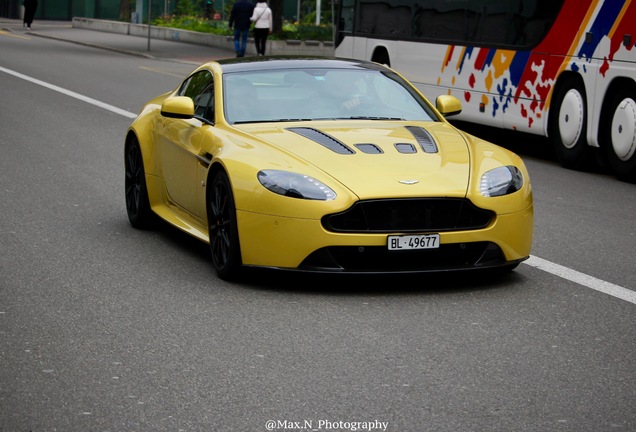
column 324, row 165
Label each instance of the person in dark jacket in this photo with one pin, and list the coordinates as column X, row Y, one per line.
column 240, row 20
column 30, row 6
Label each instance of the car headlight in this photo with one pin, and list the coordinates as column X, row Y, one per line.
column 295, row 185
column 501, row 181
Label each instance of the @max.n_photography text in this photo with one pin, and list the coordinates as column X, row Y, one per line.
column 326, row 425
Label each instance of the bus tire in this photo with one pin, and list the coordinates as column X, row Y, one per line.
column 620, row 136
column 567, row 126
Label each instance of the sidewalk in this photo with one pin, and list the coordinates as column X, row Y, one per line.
column 132, row 45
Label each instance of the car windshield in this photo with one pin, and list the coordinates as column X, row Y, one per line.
column 320, row 94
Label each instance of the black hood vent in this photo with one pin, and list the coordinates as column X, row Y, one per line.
column 424, row 139
column 405, row 148
column 324, row 139
column 369, row 148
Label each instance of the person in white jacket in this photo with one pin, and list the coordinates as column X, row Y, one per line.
column 263, row 25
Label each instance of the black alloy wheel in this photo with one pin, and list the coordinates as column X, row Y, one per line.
column 222, row 228
column 137, row 204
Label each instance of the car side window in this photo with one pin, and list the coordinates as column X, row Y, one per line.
column 200, row 88
column 204, row 104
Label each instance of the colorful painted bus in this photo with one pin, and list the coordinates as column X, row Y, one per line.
column 564, row 69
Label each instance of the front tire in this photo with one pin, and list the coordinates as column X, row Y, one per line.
column 222, row 228
column 620, row 138
column 568, row 123
column 137, row 203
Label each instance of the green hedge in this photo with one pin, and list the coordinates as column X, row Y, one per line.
column 289, row 31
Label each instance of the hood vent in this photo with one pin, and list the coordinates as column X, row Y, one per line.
column 369, row 148
column 405, row 148
column 424, row 139
column 324, row 139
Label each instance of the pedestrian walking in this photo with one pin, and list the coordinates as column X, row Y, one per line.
column 263, row 25
column 30, row 6
column 240, row 20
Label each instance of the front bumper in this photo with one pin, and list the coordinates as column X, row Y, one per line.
column 304, row 245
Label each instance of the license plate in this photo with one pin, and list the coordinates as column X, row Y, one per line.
column 410, row 242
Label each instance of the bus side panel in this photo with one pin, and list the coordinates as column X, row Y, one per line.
column 345, row 48
column 512, row 89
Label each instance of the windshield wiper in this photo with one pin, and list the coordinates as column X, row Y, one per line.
column 274, row 120
column 282, row 120
column 290, row 120
column 372, row 118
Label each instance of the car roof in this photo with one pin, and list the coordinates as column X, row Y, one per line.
column 293, row 62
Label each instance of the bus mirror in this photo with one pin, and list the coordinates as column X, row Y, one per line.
column 448, row 105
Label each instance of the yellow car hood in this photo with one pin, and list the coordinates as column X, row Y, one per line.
column 379, row 159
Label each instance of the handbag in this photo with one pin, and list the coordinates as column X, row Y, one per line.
column 257, row 18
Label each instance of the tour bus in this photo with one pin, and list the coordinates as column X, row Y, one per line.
column 564, row 69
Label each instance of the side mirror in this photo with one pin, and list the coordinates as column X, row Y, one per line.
column 448, row 105
column 181, row 107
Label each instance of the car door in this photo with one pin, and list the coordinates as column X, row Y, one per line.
column 179, row 145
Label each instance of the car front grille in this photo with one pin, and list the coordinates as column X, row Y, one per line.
column 409, row 215
column 378, row 259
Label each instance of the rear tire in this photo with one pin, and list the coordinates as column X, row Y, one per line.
column 222, row 227
column 620, row 136
column 568, row 124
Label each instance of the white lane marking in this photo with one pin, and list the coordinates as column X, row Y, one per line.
column 71, row 93
column 533, row 261
column 582, row 279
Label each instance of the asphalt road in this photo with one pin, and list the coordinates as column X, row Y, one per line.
column 106, row 328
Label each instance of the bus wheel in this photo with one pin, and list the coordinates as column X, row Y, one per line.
column 568, row 122
column 621, row 136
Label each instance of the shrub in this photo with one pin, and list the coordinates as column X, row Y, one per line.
column 219, row 27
